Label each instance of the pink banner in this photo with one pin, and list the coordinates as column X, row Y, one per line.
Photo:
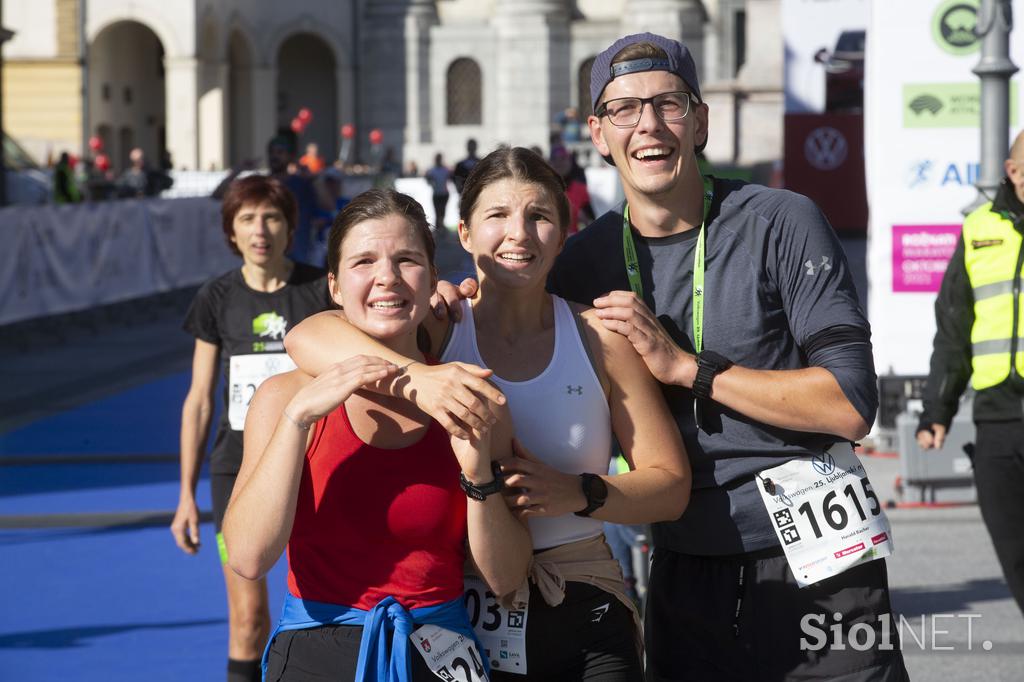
column 920, row 254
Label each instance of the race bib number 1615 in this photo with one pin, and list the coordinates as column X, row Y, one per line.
column 825, row 513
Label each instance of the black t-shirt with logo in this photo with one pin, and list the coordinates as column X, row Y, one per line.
column 249, row 327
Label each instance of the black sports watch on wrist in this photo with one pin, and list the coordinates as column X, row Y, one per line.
column 481, row 492
column 709, row 365
column 596, row 492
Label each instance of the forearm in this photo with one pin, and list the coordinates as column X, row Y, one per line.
column 499, row 544
column 196, row 415
column 643, row 496
column 259, row 518
column 808, row 399
column 328, row 338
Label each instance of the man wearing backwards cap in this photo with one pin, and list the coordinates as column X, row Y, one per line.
column 778, row 367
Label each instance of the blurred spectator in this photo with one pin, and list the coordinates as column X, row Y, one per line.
column 389, row 170
column 134, row 181
column 139, row 180
column 282, row 165
column 575, row 179
column 412, row 170
column 463, row 167
column 569, row 123
column 312, row 160
column 438, row 177
column 331, row 199
column 65, row 187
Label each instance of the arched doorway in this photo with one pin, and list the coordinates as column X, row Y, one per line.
column 306, row 78
column 240, row 103
column 127, row 93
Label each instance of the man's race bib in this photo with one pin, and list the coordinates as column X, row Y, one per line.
column 502, row 633
column 825, row 513
column 245, row 374
column 452, row 657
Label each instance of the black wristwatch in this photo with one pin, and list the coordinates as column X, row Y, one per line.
column 709, row 365
column 481, row 492
column 596, row 492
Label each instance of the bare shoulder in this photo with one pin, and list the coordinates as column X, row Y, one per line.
column 611, row 344
column 275, row 392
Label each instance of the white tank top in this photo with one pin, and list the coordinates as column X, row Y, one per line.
column 561, row 415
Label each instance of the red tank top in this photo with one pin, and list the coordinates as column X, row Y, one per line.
column 372, row 522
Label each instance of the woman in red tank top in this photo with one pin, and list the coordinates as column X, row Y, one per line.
column 364, row 488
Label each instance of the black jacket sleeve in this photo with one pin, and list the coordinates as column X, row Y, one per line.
column 951, row 351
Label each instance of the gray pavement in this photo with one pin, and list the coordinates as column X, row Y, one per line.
column 949, row 592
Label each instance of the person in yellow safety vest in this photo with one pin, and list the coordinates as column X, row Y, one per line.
column 978, row 338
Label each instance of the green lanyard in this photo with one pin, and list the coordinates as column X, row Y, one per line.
column 633, row 265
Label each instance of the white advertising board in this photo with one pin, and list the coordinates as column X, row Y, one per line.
column 922, row 141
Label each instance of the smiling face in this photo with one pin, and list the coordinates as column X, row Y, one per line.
column 514, row 233
column 653, row 156
column 385, row 277
column 260, row 233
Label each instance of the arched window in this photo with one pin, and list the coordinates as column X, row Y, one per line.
column 585, row 106
column 463, row 90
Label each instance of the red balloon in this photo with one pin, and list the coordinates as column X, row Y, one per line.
column 96, row 143
column 72, row 160
column 305, row 115
column 348, row 131
column 298, row 126
column 103, row 162
column 376, row 136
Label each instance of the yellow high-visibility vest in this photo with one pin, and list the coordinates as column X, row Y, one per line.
column 993, row 259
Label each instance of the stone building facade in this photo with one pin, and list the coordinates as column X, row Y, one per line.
column 211, row 80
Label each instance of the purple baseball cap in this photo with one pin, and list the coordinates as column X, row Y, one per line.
column 679, row 62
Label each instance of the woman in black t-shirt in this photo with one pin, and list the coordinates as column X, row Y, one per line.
column 239, row 320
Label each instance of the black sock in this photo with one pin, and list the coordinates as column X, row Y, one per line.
column 244, row 671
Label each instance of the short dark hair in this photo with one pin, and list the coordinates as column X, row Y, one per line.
column 375, row 204
column 257, row 189
column 517, row 163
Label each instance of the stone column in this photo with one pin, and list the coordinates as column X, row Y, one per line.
column 213, row 115
column 264, row 108
column 420, row 17
column 762, row 107
column 681, row 20
column 182, row 81
column 395, row 73
column 533, row 69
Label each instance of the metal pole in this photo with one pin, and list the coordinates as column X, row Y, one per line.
column 995, row 21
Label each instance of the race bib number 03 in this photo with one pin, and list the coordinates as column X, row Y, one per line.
column 825, row 513
column 245, row 374
column 452, row 657
column 502, row 633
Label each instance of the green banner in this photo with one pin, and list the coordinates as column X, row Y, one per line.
column 948, row 105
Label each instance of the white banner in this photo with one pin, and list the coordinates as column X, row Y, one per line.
column 58, row 259
column 812, row 28
column 922, row 138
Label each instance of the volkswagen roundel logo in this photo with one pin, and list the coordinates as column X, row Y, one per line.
column 825, row 148
column 823, row 463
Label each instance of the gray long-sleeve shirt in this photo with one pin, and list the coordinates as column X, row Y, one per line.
column 776, row 278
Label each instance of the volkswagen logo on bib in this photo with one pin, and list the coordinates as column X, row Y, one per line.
column 823, row 463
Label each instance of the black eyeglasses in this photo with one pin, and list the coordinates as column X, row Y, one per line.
column 625, row 112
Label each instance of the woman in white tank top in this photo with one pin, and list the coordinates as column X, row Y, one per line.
column 571, row 385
